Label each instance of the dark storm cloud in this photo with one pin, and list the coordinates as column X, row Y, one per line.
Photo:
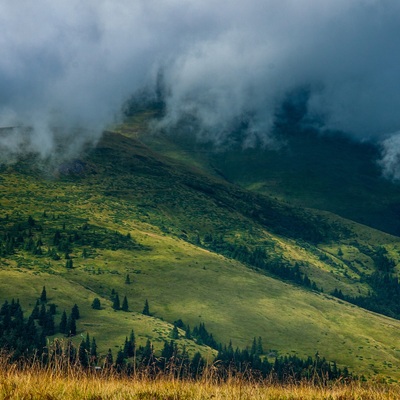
column 67, row 66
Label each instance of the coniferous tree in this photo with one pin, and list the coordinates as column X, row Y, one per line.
column 132, row 338
column 116, row 303
column 87, row 343
column 260, row 349
column 70, row 352
column 63, row 323
column 174, row 333
column 127, row 279
column 108, row 362
column 93, row 350
column 75, row 312
column 188, row 334
column 125, row 306
column 49, row 326
column 42, row 315
column 120, row 361
column 52, row 308
column 146, row 309
column 43, row 296
column 35, row 312
column 83, row 355
column 96, row 305
column 71, row 326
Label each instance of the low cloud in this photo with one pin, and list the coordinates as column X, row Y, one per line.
column 68, row 66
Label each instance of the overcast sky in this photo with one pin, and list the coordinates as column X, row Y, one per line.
column 71, row 64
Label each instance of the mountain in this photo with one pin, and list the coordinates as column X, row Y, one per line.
column 200, row 245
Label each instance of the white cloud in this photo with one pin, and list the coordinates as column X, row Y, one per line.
column 73, row 63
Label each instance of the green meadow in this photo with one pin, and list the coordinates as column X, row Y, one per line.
column 188, row 239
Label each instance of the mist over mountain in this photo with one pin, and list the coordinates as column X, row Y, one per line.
column 67, row 68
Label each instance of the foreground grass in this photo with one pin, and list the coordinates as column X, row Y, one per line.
column 37, row 383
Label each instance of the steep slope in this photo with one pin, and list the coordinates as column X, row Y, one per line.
column 324, row 170
column 176, row 230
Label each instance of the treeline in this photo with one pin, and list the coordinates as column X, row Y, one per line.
column 55, row 239
column 25, row 340
column 22, row 337
column 258, row 258
column 173, row 360
column 385, row 298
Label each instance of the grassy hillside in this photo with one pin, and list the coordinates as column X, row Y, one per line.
column 181, row 235
column 328, row 170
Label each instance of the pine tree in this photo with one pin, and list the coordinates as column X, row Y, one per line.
column 125, row 306
column 93, row 350
column 75, row 312
column 87, row 342
column 83, row 355
column 129, row 346
column 260, row 349
column 146, row 309
column 49, row 326
column 127, row 280
column 174, row 333
column 116, row 303
column 52, row 308
column 188, row 334
column 71, row 326
column 70, row 352
column 35, row 312
column 43, row 296
column 96, row 305
column 42, row 315
column 63, row 323
column 132, row 338
column 120, row 361
column 108, row 362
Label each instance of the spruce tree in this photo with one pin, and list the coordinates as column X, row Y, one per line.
column 120, row 361
column 35, row 312
column 52, row 308
column 63, row 323
column 188, row 334
column 75, row 312
column 93, row 350
column 96, row 305
column 49, row 326
column 70, row 352
column 132, row 338
column 127, row 279
column 108, row 362
column 146, row 309
column 71, row 326
column 42, row 315
column 87, row 342
column 174, row 333
column 116, row 303
column 83, row 355
column 125, row 306
column 43, row 296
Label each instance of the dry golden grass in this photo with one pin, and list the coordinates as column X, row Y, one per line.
column 35, row 382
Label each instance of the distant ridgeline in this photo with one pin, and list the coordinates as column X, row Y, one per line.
column 26, row 340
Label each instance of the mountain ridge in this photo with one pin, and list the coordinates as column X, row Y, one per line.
column 195, row 254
